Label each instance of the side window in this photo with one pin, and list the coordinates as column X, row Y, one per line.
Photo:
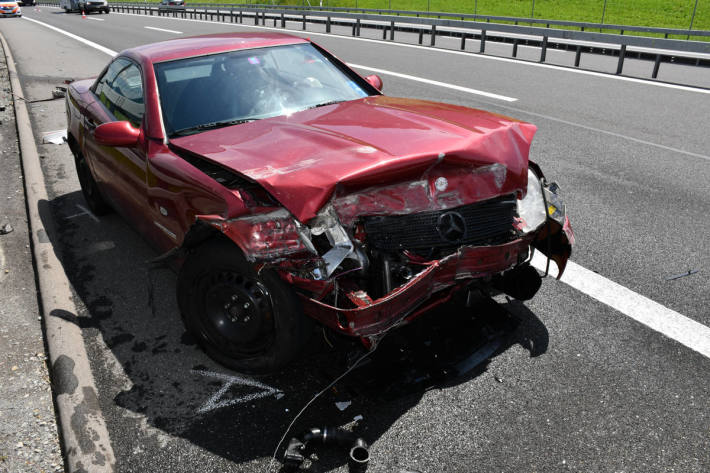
column 128, row 87
column 103, row 84
column 121, row 91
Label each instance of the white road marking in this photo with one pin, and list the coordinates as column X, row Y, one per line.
column 95, row 19
column 161, row 29
column 73, row 36
column 458, row 53
column 670, row 323
column 606, row 132
column 97, row 247
column 89, row 213
column 436, row 83
column 214, row 401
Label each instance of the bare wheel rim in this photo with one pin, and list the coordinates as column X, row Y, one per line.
column 237, row 313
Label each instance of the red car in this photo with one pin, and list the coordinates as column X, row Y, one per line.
column 290, row 190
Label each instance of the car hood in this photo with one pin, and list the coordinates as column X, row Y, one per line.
column 306, row 158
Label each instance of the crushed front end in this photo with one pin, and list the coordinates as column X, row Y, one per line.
column 378, row 257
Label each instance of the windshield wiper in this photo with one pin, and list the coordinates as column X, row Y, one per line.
column 211, row 126
column 326, row 103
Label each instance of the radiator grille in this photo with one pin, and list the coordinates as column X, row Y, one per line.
column 481, row 223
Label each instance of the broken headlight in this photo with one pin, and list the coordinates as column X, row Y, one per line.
column 531, row 208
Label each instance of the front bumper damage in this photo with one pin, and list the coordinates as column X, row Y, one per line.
column 330, row 262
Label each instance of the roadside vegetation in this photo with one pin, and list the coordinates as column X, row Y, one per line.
column 658, row 13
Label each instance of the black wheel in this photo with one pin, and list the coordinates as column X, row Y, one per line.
column 89, row 188
column 246, row 321
column 107, row 11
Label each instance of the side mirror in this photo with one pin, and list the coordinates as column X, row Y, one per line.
column 117, row 134
column 375, row 81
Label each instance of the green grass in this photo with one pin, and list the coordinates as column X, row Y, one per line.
column 657, row 13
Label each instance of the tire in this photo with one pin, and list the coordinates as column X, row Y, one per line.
column 107, row 11
column 89, row 187
column 248, row 322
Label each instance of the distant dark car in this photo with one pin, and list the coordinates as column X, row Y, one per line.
column 172, row 3
column 94, row 5
column 25, row 3
column 290, row 190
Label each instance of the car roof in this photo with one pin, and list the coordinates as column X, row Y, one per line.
column 208, row 44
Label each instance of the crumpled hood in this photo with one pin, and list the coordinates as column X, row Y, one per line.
column 307, row 157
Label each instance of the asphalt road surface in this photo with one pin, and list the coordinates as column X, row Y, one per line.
column 578, row 383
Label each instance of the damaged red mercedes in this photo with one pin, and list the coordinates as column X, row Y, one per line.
column 291, row 190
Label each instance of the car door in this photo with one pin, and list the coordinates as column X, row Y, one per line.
column 120, row 171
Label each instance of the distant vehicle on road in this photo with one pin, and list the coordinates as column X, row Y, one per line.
column 10, row 9
column 292, row 190
column 87, row 6
column 25, row 3
column 180, row 3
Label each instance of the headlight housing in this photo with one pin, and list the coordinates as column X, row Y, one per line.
column 532, row 207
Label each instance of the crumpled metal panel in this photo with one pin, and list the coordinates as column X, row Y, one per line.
column 305, row 159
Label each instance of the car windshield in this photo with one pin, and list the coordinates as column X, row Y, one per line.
column 207, row 92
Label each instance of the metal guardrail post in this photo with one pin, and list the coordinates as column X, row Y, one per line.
column 421, row 35
column 577, row 56
column 327, row 23
column 543, row 52
column 622, row 54
column 283, row 23
column 304, row 23
column 463, row 41
column 392, row 30
column 354, row 28
column 656, row 65
column 384, row 32
column 241, row 16
column 483, row 42
column 433, row 35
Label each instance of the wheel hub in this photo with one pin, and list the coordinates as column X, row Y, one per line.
column 238, row 311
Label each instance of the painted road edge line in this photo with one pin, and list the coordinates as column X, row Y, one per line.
column 436, row 82
column 668, row 322
column 659, row 318
column 87, row 445
column 108, row 51
column 161, row 29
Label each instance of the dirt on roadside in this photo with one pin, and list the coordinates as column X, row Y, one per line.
column 28, row 431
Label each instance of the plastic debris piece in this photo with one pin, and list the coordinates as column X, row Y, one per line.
column 682, row 275
column 342, row 405
column 57, row 137
column 5, row 229
column 279, row 395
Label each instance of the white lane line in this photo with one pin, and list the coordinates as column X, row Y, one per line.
column 458, row 53
column 161, row 29
column 95, row 19
column 89, row 213
column 73, row 36
column 666, row 321
column 606, row 132
column 670, row 323
column 436, row 83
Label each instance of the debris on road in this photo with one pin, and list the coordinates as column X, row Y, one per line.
column 298, row 448
column 57, row 137
column 343, row 405
column 5, row 229
column 682, row 275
